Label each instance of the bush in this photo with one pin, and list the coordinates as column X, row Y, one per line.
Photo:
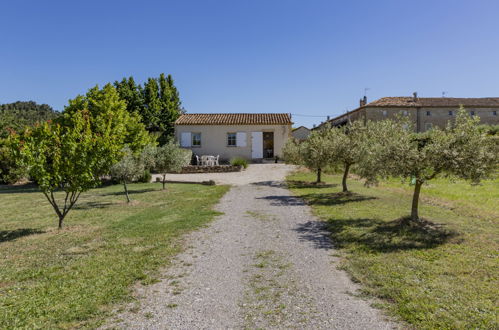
column 145, row 178
column 239, row 161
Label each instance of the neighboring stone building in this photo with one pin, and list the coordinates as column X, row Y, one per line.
column 424, row 112
column 248, row 135
column 300, row 133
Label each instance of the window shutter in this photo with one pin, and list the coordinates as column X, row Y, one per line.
column 241, row 139
column 185, row 139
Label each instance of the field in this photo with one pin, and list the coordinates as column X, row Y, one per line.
column 72, row 277
column 444, row 275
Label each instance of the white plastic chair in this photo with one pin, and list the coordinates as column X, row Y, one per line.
column 217, row 159
column 197, row 160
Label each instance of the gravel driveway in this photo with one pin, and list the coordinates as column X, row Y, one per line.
column 265, row 263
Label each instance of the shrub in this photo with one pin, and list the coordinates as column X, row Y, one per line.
column 146, row 177
column 239, row 161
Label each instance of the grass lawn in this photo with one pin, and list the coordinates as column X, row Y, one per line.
column 443, row 276
column 71, row 278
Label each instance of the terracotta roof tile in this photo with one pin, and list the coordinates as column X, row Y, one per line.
column 234, row 119
column 435, row 102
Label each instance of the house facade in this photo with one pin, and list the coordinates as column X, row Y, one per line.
column 252, row 136
column 424, row 112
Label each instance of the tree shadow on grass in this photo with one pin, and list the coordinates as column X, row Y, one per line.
column 381, row 236
column 130, row 191
column 305, row 184
column 92, row 205
column 10, row 235
column 335, row 198
column 19, row 189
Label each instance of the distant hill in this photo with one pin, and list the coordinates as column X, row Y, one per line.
column 20, row 114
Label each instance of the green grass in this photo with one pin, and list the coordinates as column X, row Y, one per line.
column 440, row 276
column 71, row 278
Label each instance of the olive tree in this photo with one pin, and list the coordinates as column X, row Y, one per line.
column 347, row 147
column 460, row 150
column 127, row 169
column 315, row 152
column 170, row 158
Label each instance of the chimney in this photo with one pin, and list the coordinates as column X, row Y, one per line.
column 313, row 126
column 327, row 118
column 415, row 96
column 363, row 101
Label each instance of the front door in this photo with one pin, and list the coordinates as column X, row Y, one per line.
column 256, row 145
column 268, row 144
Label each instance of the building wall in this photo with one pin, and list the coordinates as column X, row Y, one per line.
column 438, row 117
column 301, row 133
column 214, row 139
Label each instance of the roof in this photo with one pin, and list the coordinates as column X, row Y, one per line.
column 294, row 129
column 435, row 102
column 234, row 119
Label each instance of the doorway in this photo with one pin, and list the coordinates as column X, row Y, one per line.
column 268, row 144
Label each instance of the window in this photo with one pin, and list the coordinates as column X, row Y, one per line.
column 494, row 113
column 428, row 113
column 427, row 126
column 450, row 113
column 384, row 113
column 231, row 139
column 405, row 113
column 196, row 139
column 472, row 113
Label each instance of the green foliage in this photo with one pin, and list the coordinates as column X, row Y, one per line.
column 171, row 158
column 128, row 169
column 315, row 152
column 460, row 150
column 11, row 171
column 146, row 177
column 239, row 161
column 19, row 115
column 157, row 102
column 490, row 129
column 348, row 145
column 71, row 153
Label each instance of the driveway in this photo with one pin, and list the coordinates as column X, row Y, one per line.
column 266, row 262
column 254, row 173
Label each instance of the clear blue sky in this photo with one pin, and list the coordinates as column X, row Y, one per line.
column 303, row 57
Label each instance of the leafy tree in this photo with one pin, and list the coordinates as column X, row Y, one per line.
column 347, row 147
column 11, row 170
column 460, row 150
column 314, row 153
column 108, row 115
column 129, row 168
column 157, row 102
column 70, row 154
column 171, row 158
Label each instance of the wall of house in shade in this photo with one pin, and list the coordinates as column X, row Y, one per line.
column 423, row 118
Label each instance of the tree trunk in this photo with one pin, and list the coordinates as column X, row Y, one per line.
column 61, row 219
column 164, row 182
column 319, row 172
column 345, row 176
column 126, row 192
column 415, row 201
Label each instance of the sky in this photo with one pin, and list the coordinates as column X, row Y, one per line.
column 309, row 58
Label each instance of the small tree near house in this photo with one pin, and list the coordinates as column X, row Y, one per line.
column 315, row 153
column 461, row 150
column 129, row 168
column 347, row 147
column 170, row 158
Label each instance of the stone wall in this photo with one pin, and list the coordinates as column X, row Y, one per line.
column 210, row 169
